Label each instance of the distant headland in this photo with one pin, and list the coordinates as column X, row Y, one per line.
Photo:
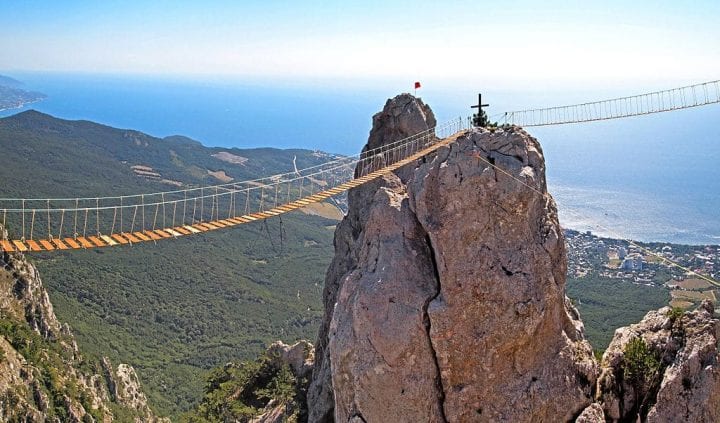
column 13, row 96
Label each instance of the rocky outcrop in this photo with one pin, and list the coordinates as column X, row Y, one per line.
column 300, row 359
column 592, row 414
column 400, row 118
column 680, row 374
column 40, row 376
column 445, row 299
column 298, row 356
column 124, row 389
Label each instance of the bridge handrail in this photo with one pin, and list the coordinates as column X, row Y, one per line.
column 641, row 104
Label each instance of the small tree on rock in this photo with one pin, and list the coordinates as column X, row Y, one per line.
column 480, row 119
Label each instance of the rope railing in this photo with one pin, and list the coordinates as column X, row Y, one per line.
column 622, row 107
column 48, row 224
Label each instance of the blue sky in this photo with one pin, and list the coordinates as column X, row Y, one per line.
column 515, row 44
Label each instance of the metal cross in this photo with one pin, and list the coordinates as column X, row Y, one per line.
column 480, row 105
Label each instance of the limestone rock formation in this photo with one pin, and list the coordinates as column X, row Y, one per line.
column 592, row 414
column 685, row 387
column 40, row 365
column 445, row 299
column 299, row 356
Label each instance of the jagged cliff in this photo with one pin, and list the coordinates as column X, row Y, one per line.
column 445, row 300
column 43, row 377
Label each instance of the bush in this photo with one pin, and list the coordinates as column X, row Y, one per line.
column 640, row 365
column 675, row 313
column 641, row 368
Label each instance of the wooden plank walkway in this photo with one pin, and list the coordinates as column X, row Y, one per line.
column 116, row 239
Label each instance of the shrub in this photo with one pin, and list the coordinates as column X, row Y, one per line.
column 675, row 313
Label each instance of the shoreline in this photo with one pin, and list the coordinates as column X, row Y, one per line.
column 22, row 105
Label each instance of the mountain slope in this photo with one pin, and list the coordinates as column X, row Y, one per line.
column 43, row 377
column 178, row 308
column 47, row 156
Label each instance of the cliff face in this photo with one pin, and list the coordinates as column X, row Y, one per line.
column 40, row 366
column 445, row 300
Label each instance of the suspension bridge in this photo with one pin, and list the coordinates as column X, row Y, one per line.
column 57, row 224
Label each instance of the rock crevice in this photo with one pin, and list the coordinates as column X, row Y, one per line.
column 428, row 328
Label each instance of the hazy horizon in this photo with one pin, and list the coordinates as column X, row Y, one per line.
column 517, row 45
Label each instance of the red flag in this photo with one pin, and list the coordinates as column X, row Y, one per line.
column 417, row 85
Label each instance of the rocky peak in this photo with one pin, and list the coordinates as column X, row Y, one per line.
column 402, row 116
column 445, row 299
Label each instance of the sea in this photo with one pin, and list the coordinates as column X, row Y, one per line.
column 650, row 178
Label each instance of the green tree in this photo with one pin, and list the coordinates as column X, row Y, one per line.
column 641, row 368
column 480, row 119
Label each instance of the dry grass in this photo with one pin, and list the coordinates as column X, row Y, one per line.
column 326, row 210
column 694, row 284
column 220, row 175
column 681, row 304
column 694, row 296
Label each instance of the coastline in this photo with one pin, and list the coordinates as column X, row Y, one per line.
column 22, row 105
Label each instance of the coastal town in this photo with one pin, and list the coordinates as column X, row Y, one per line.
column 650, row 264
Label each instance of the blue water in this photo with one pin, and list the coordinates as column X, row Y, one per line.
column 651, row 178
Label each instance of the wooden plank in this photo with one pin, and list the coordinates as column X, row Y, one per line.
column 66, row 244
column 97, row 241
column 85, row 242
column 173, row 232
column 242, row 219
column 217, row 223
column 152, row 235
column 141, row 236
column 20, row 246
column 182, row 230
column 120, row 240
column 34, row 246
column 249, row 218
column 192, row 229
column 7, row 246
column 162, row 233
column 61, row 245
column 200, row 228
column 48, row 246
column 235, row 221
column 131, row 237
column 108, row 240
